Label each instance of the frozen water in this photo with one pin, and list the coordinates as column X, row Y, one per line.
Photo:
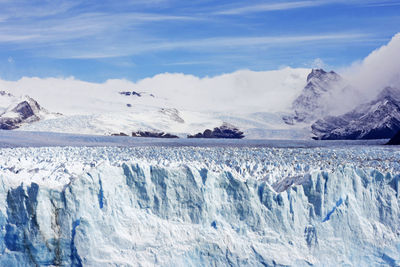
column 200, row 206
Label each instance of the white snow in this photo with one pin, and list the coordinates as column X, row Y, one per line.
column 237, row 98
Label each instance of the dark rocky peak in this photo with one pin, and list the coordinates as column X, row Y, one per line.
column 315, row 73
column 25, row 111
column 320, row 74
column 27, row 108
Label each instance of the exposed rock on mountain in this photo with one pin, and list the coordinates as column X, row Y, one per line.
column 377, row 119
column 172, row 113
column 128, row 93
column 395, row 140
column 153, row 134
column 310, row 104
column 25, row 111
column 134, row 93
column 224, row 131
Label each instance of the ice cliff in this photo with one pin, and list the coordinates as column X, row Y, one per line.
column 187, row 206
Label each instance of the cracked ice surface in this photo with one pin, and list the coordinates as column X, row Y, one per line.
column 200, row 206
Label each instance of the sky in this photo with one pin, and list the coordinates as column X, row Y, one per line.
column 99, row 40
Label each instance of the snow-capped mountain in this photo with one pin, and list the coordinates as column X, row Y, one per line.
column 126, row 110
column 210, row 206
column 19, row 111
column 377, row 119
column 311, row 104
column 171, row 103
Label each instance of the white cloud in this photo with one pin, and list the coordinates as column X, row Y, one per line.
column 379, row 69
column 239, row 92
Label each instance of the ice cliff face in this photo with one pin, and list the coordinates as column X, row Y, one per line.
column 199, row 206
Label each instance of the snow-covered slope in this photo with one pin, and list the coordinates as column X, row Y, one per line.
column 199, row 206
column 377, row 119
column 172, row 103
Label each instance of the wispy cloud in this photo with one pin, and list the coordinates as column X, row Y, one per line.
column 187, row 63
column 206, row 44
column 227, row 42
column 269, row 7
column 276, row 6
column 78, row 26
column 383, row 4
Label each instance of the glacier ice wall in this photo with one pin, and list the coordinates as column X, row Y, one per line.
column 199, row 207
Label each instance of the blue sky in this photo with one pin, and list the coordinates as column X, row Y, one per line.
column 98, row 40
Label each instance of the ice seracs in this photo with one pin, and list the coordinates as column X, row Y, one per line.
column 210, row 206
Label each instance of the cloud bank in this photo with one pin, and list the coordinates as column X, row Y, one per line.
column 379, row 69
column 239, row 92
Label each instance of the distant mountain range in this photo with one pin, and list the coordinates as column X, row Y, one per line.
column 137, row 112
column 377, row 119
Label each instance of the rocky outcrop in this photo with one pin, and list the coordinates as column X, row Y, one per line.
column 153, row 134
column 134, row 93
column 119, row 134
column 395, row 140
column 378, row 119
column 26, row 111
column 224, row 131
column 129, row 93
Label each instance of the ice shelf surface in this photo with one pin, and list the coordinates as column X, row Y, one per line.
column 200, row 206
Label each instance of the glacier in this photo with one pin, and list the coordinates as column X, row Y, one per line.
column 200, row 206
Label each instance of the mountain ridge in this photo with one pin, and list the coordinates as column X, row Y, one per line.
column 377, row 119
